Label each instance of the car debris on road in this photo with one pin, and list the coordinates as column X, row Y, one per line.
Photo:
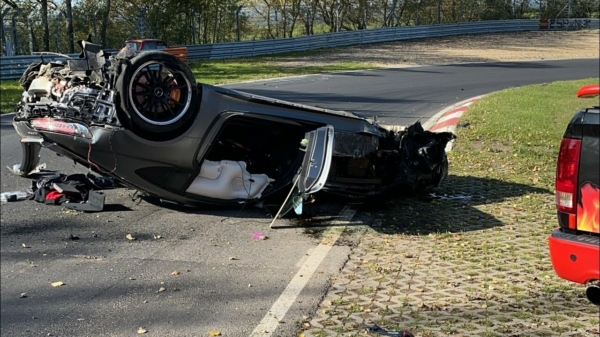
column 80, row 192
column 142, row 120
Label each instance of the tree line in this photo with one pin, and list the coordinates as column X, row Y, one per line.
column 55, row 25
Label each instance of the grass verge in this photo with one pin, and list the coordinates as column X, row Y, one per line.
column 10, row 94
column 514, row 135
column 472, row 258
column 223, row 72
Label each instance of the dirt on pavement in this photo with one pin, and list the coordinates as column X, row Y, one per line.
column 534, row 45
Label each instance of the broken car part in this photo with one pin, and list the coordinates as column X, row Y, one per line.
column 145, row 121
column 378, row 330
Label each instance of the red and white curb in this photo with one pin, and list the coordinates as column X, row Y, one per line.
column 447, row 119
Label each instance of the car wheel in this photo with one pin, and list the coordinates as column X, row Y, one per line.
column 158, row 94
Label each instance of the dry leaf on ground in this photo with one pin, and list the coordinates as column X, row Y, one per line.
column 142, row 330
column 57, row 284
column 175, row 272
column 214, row 333
column 130, row 237
column 161, row 289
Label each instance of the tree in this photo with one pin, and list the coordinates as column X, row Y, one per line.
column 44, row 9
column 70, row 35
column 103, row 41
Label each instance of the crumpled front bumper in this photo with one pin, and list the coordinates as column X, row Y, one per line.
column 32, row 140
column 31, row 144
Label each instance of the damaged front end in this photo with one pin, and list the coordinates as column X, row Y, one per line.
column 366, row 165
column 143, row 120
column 64, row 98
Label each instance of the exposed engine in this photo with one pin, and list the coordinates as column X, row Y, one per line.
column 81, row 89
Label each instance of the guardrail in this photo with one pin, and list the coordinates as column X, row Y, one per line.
column 12, row 67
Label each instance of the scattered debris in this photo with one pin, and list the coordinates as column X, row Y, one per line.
column 76, row 191
column 141, row 330
column 175, row 272
column 464, row 125
column 72, row 237
column 23, row 295
column 214, row 333
column 13, row 196
column 161, row 289
column 25, row 246
column 130, row 237
column 95, row 203
column 451, row 197
column 16, row 169
column 57, row 284
column 259, row 236
column 156, row 237
column 378, row 330
column 232, row 258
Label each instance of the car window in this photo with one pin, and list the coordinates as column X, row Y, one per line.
column 161, row 45
column 133, row 45
column 149, row 45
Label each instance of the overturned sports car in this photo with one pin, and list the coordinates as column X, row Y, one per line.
column 143, row 120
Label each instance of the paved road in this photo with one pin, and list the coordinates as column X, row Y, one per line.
column 228, row 280
column 403, row 95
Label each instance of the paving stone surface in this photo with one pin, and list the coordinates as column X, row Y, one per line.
column 470, row 260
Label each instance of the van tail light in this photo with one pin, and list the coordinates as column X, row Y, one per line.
column 567, row 170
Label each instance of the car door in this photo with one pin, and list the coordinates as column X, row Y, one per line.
column 313, row 172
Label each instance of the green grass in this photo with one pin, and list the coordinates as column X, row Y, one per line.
column 10, row 94
column 514, row 134
column 231, row 71
column 226, row 71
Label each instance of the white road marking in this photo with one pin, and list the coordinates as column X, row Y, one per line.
column 270, row 322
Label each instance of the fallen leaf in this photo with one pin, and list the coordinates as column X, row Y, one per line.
column 161, row 289
column 57, row 284
column 232, row 258
column 214, row 333
column 142, row 330
column 23, row 295
column 175, row 272
column 130, row 237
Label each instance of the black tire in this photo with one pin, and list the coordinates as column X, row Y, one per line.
column 158, row 94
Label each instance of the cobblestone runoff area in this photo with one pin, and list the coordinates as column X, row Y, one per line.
column 469, row 260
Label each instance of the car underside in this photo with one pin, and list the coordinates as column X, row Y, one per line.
column 145, row 121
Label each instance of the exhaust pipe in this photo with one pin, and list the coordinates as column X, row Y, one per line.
column 593, row 294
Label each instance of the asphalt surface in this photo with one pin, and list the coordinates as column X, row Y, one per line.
column 405, row 95
column 228, row 280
